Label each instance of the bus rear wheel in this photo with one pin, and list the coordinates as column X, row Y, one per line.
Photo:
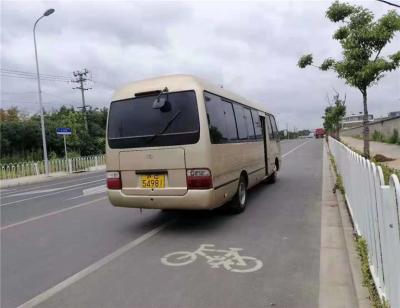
column 272, row 178
column 239, row 201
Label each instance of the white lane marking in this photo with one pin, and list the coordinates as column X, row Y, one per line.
column 91, row 191
column 7, row 190
column 76, row 178
column 92, row 268
column 52, row 189
column 229, row 259
column 50, row 194
column 34, row 192
column 50, row 214
column 292, row 150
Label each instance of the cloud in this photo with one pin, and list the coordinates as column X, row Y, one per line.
column 251, row 48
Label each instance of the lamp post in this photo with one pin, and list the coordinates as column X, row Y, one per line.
column 46, row 162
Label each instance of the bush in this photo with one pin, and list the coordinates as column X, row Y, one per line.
column 394, row 138
column 377, row 136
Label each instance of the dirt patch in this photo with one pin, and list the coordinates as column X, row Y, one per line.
column 382, row 158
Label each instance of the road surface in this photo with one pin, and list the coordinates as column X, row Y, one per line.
column 64, row 245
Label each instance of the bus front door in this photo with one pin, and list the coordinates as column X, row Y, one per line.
column 262, row 119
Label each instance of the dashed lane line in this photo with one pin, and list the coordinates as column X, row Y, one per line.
column 294, row 149
column 91, row 191
column 50, row 194
column 7, row 191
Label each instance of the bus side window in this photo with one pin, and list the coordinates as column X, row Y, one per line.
column 221, row 120
column 249, row 123
column 274, row 127
column 240, row 121
column 269, row 128
column 257, row 124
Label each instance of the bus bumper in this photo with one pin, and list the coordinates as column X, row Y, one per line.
column 192, row 200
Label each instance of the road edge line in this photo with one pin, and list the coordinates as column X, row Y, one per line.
column 92, row 268
column 51, row 213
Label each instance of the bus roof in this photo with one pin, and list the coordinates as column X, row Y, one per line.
column 179, row 83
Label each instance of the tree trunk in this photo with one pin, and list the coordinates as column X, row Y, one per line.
column 365, row 125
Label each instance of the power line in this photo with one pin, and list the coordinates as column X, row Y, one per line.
column 10, row 73
column 7, row 75
column 390, row 3
column 17, row 72
column 18, row 93
column 4, row 74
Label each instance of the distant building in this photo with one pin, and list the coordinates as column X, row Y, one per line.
column 394, row 114
column 355, row 120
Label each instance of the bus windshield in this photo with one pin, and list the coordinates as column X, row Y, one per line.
column 136, row 123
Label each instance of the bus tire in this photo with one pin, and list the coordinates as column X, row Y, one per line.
column 272, row 178
column 239, row 201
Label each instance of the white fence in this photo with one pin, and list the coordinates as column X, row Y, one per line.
column 84, row 163
column 375, row 209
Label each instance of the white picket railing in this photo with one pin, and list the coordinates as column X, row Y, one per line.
column 84, row 163
column 375, row 210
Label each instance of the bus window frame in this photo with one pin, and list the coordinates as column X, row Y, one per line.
column 238, row 140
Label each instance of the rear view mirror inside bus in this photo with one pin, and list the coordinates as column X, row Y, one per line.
column 159, row 102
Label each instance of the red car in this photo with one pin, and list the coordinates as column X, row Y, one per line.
column 319, row 133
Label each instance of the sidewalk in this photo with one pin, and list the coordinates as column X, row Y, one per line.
column 386, row 149
column 340, row 268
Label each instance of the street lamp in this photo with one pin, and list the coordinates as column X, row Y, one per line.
column 46, row 162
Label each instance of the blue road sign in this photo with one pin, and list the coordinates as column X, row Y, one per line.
column 64, row 131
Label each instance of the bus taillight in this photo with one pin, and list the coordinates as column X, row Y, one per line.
column 114, row 180
column 198, row 179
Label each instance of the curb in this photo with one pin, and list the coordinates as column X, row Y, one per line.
column 362, row 293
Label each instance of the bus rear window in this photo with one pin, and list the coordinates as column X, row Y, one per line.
column 136, row 123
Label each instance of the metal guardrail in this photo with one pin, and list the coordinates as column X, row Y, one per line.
column 84, row 163
column 375, row 209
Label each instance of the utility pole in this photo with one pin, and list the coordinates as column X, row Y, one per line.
column 80, row 79
column 287, row 130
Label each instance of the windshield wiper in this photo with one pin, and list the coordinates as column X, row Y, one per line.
column 162, row 131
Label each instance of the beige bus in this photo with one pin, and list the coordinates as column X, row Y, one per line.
column 178, row 142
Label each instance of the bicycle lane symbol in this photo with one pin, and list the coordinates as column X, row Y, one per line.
column 229, row 259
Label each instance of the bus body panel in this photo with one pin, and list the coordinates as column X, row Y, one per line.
column 193, row 199
column 225, row 161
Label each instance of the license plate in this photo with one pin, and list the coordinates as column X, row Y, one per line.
column 152, row 181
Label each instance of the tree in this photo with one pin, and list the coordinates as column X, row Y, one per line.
column 362, row 39
column 334, row 114
column 21, row 138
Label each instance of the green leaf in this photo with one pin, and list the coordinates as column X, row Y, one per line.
column 341, row 33
column 339, row 11
column 327, row 64
column 305, row 61
column 395, row 58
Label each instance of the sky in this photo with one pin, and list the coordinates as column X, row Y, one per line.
column 251, row 48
